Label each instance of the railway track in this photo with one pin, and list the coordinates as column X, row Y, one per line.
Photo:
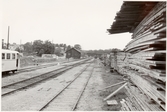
column 38, row 67
column 11, row 88
column 44, row 66
column 68, row 98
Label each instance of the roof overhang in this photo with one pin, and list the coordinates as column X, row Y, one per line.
column 130, row 15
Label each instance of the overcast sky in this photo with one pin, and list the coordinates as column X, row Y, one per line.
column 70, row 22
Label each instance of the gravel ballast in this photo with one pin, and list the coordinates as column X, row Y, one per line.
column 32, row 99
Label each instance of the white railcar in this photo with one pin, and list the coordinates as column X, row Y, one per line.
column 10, row 61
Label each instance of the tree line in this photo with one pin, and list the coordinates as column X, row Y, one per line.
column 39, row 47
column 100, row 51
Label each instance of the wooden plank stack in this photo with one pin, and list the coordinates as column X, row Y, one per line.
column 144, row 61
column 138, row 101
column 117, row 60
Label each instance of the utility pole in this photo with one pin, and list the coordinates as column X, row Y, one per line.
column 8, row 38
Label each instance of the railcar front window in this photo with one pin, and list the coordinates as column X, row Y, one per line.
column 8, row 55
column 13, row 56
column 3, row 55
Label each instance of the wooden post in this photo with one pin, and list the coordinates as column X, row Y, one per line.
column 8, row 38
column 113, row 85
column 114, row 92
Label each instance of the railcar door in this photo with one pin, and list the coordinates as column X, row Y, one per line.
column 3, row 62
column 17, row 60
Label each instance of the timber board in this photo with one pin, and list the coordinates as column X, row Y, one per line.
column 151, row 73
column 138, row 95
column 144, row 44
column 154, row 38
column 158, row 10
column 154, row 94
column 160, row 53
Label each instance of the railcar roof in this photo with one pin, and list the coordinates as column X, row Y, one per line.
column 130, row 15
column 8, row 51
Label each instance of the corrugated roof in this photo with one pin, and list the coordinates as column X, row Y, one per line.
column 130, row 15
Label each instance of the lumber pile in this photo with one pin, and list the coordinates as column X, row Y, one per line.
column 138, row 101
column 148, row 47
column 144, row 61
column 117, row 59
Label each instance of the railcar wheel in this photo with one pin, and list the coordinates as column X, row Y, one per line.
column 13, row 71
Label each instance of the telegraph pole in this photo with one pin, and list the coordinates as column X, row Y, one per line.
column 8, row 38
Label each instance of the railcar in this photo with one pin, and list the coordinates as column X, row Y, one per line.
column 10, row 61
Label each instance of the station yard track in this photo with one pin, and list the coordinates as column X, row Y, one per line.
column 21, row 70
column 11, row 88
column 68, row 97
column 44, row 66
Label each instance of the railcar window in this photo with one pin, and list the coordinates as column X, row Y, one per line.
column 3, row 55
column 8, row 55
column 13, row 56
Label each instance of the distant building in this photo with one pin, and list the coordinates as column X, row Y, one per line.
column 73, row 53
column 12, row 46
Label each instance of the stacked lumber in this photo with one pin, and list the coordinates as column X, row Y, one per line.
column 145, row 62
column 113, row 60
column 117, row 60
column 148, row 49
column 153, row 88
column 138, row 101
column 149, row 44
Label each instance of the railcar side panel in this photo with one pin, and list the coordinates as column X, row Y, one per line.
column 10, row 61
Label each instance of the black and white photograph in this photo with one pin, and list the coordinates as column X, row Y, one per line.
column 83, row 55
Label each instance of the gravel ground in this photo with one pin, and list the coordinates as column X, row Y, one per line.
column 33, row 98
column 92, row 100
column 26, row 75
column 109, row 79
column 66, row 100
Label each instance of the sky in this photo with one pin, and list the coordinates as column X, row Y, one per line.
column 70, row 22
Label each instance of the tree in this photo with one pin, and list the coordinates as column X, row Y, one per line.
column 48, row 47
column 41, row 52
column 28, row 47
column 37, row 46
column 68, row 47
column 65, row 46
column 58, row 51
column 61, row 45
column 18, row 49
column 57, row 45
column 77, row 46
column 114, row 50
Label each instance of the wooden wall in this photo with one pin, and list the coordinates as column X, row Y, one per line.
column 73, row 53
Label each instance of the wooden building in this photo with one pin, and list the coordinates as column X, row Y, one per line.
column 73, row 53
column 144, row 59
